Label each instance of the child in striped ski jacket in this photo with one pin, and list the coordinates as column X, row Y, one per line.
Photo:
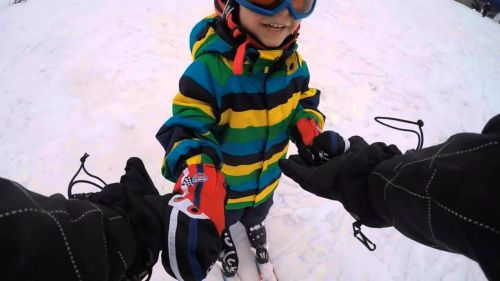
column 242, row 99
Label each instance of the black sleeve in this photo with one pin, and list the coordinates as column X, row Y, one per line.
column 446, row 197
column 52, row 238
column 112, row 235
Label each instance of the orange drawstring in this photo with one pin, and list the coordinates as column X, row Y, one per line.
column 239, row 58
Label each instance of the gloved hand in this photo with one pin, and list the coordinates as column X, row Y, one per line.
column 317, row 147
column 185, row 225
column 203, row 185
column 136, row 197
column 343, row 178
column 492, row 127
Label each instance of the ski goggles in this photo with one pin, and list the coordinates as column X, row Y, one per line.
column 299, row 9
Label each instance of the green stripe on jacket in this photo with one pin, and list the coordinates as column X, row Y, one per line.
column 222, row 115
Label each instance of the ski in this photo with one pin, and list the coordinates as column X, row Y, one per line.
column 227, row 278
column 266, row 272
column 233, row 278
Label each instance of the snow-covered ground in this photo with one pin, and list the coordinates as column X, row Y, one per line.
column 98, row 76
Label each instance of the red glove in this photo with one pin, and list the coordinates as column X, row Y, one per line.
column 201, row 192
column 308, row 130
column 194, row 245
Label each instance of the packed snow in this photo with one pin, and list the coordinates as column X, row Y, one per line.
column 98, row 76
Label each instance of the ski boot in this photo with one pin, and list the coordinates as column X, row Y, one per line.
column 228, row 259
column 258, row 242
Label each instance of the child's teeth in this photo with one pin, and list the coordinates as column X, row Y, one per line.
column 275, row 26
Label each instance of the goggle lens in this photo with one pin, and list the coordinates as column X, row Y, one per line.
column 300, row 7
column 267, row 4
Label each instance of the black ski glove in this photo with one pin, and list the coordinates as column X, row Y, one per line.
column 188, row 238
column 325, row 146
column 137, row 199
column 343, row 178
column 492, row 127
column 317, row 147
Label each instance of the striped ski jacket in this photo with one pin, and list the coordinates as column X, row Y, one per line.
column 241, row 123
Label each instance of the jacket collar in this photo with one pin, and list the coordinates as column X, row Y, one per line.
column 211, row 35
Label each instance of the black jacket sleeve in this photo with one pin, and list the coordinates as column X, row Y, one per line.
column 446, row 196
column 114, row 234
column 52, row 238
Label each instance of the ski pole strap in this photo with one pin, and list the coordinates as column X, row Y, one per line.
column 419, row 123
column 73, row 182
column 356, row 227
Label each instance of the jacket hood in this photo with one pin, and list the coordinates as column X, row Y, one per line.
column 204, row 39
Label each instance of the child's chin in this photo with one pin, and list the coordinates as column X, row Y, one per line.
column 272, row 44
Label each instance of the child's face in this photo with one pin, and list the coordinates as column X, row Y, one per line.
column 271, row 31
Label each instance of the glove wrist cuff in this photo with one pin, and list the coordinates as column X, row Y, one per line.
column 199, row 159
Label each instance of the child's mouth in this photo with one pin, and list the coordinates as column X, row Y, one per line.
column 275, row 26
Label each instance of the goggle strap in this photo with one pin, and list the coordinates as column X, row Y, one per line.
column 218, row 7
